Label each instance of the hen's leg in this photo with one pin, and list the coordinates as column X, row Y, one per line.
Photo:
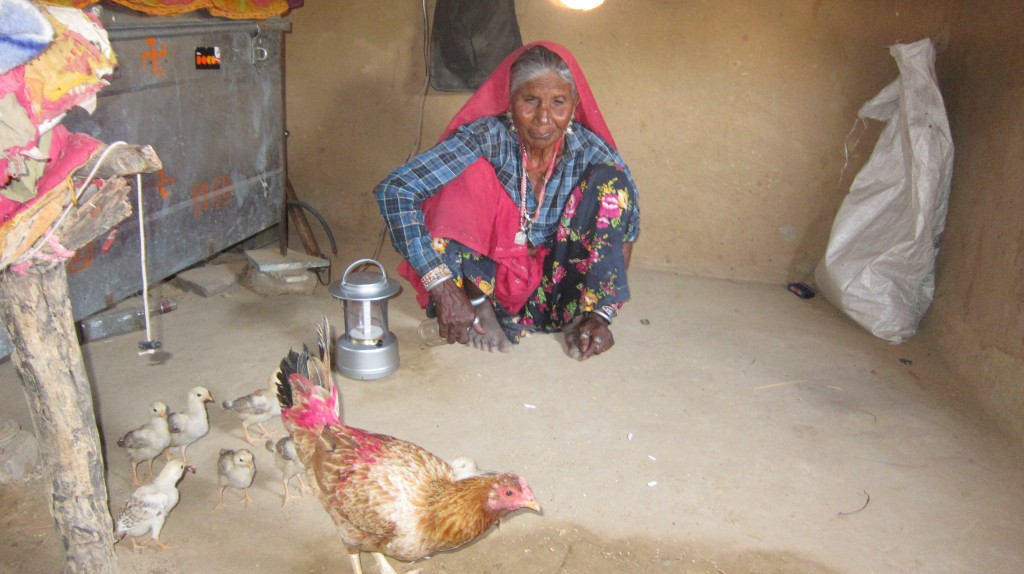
column 245, row 431
column 220, row 501
column 353, row 558
column 247, row 498
column 382, row 563
column 158, row 525
column 267, row 435
column 160, row 546
column 135, row 474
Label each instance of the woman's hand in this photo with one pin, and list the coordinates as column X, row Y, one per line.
column 593, row 337
column 455, row 314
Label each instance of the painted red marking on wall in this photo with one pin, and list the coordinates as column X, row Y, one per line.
column 82, row 260
column 200, row 203
column 217, row 194
column 161, row 184
column 152, row 55
column 109, row 242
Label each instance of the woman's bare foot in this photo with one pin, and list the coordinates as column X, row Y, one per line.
column 493, row 338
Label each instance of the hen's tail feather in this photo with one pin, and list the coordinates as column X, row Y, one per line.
column 294, row 363
column 323, row 332
column 320, row 371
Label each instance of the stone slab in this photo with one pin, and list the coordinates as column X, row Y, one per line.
column 211, row 280
column 269, row 259
column 297, row 282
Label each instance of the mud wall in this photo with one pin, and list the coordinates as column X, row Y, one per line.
column 733, row 116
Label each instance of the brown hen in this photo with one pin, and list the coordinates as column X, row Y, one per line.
column 387, row 496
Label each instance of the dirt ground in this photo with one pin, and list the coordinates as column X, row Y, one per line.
column 734, row 429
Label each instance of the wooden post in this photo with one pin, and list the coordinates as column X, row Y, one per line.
column 301, row 223
column 49, row 360
column 37, row 312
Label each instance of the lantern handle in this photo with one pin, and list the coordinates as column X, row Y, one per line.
column 355, row 264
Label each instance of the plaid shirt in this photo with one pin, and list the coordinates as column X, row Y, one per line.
column 400, row 194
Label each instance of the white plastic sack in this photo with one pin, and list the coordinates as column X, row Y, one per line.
column 879, row 267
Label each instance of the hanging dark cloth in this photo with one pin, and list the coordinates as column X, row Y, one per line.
column 469, row 39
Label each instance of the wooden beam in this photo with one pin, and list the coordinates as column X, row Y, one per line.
column 46, row 354
column 122, row 160
column 301, row 223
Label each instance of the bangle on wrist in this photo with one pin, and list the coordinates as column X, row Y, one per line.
column 606, row 312
column 478, row 301
column 436, row 276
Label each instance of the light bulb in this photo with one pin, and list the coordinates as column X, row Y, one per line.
column 582, row 4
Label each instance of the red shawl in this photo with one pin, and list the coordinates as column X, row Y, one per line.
column 475, row 210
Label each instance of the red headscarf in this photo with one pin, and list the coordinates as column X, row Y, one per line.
column 492, row 97
column 475, row 210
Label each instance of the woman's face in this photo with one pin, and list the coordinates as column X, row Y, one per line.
column 541, row 110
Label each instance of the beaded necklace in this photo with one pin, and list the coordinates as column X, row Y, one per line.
column 526, row 222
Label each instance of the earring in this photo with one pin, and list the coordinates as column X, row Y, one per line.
column 511, row 124
column 568, row 127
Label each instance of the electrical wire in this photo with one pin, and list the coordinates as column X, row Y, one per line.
column 847, row 146
column 419, row 117
column 327, row 230
column 149, row 346
column 77, row 194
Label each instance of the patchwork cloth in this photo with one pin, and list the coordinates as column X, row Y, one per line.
column 237, row 9
column 36, row 153
column 24, row 33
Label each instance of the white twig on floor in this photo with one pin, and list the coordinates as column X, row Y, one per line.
column 859, row 509
column 773, row 385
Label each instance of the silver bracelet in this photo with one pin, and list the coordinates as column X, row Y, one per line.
column 606, row 312
column 439, row 281
column 478, row 301
column 436, row 276
column 603, row 313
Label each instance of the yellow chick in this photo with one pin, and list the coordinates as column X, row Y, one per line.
column 193, row 423
column 256, row 408
column 148, row 506
column 237, row 469
column 287, row 461
column 148, row 441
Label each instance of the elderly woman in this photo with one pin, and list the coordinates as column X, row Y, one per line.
column 522, row 217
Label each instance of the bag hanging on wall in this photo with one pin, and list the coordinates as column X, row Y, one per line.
column 879, row 267
column 468, row 40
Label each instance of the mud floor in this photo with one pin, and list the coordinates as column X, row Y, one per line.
column 32, row 547
column 734, row 429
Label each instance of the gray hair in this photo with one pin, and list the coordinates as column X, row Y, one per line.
column 535, row 62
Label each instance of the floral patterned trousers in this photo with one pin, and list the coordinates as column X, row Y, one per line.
column 584, row 267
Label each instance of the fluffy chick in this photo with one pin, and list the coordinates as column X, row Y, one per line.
column 148, row 441
column 237, row 469
column 148, row 506
column 287, row 461
column 256, row 408
column 193, row 423
column 465, row 467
